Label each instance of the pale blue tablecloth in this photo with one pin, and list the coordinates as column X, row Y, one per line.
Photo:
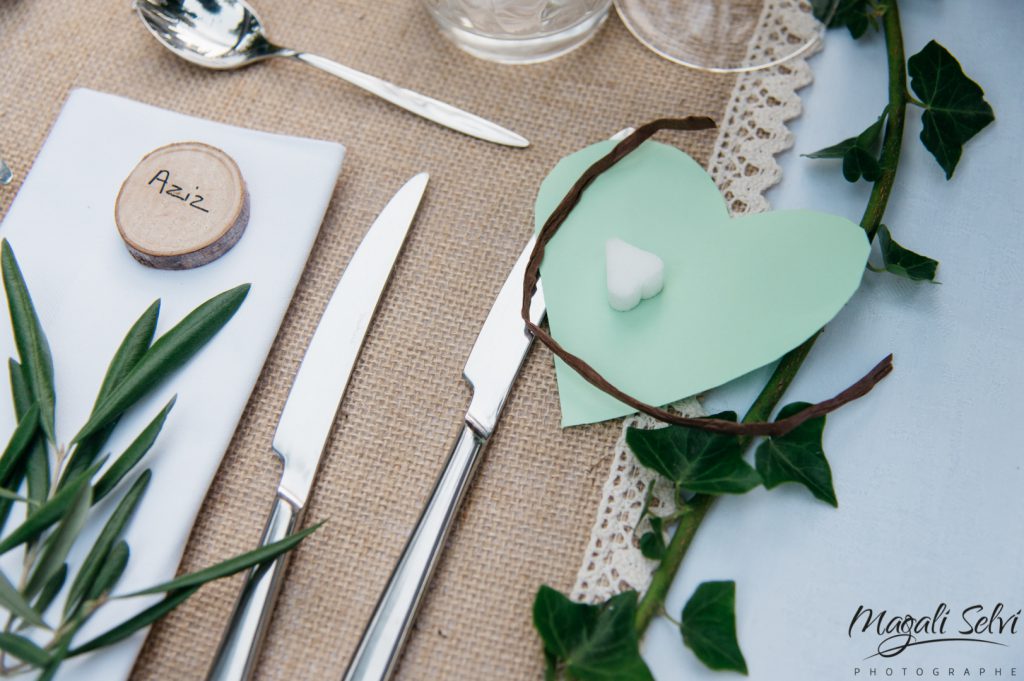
column 929, row 468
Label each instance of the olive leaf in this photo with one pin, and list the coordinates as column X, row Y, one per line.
column 56, row 514
column 797, row 456
column 167, row 354
column 14, row 473
column 37, row 463
column 59, row 651
column 12, row 600
column 140, row 621
column 37, row 472
column 33, row 348
column 955, row 109
column 180, row 589
column 135, row 344
column 51, row 589
column 49, row 513
column 593, row 642
column 231, row 566
column 904, row 262
column 99, row 554
column 697, row 460
column 110, row 571
column 8, row 495
column 132, row 455
column 58, row 545
column 709, row 626
column 859, row 154
column 20, row 440
column 24, row 649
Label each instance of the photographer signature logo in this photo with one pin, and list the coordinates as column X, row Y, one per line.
column 892, row 634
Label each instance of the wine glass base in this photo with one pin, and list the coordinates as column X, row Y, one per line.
column 717, row 35
column 531, row 50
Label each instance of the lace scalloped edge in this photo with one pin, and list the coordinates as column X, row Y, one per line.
column 743, row 166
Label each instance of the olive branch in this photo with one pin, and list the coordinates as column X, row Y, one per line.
column 58, row 487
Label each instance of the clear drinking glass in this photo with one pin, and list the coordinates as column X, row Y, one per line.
column 719, row 35
column 518, row 31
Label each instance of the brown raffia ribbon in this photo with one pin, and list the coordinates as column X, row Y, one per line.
column 547, row 232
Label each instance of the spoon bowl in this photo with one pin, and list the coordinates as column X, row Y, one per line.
column 227, row 34
column 223, row 34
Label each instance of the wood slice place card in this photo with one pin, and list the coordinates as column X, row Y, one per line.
column 183, row 206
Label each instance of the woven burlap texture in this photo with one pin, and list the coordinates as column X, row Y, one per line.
column 527, row 517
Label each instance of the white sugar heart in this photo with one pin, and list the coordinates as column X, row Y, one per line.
column 632, row 274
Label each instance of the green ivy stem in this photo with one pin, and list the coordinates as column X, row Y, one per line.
column 892, row 139
column 652, row 602
column 692, row 514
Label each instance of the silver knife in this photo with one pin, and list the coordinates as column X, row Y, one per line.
column 492, row 368
column 493, row 365
column 308, row 415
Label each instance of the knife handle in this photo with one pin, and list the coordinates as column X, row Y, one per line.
column 382, row 641
column 239, row 649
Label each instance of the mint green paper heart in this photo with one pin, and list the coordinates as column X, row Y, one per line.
column 739, row 293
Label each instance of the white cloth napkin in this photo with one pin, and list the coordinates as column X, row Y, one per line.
column 929, row 467
column 88, row 290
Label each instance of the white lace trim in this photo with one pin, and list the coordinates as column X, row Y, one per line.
column 743, row 166
column 613, row 562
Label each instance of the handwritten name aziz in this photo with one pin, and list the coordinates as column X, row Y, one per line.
column 976, row 624
column 163, row 179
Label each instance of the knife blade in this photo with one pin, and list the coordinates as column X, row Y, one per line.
column 309, row 413
column 491, row 370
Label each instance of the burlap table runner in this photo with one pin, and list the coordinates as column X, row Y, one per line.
column 527, row 518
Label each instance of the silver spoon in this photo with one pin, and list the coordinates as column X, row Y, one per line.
column 227, row 34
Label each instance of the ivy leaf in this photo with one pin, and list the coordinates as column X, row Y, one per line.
column 797, row 456
column 856, row 15
column 955, row 109
column 859, row 163
column 902, row 261
column 595, row 642
column 550, row 667
column 652, row 544
column 859, row 154
column 698, row 460
column 709, row 626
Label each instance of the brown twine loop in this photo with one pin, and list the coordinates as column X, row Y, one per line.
column 621, row 150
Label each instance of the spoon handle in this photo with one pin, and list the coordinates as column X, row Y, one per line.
column 431, row 109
